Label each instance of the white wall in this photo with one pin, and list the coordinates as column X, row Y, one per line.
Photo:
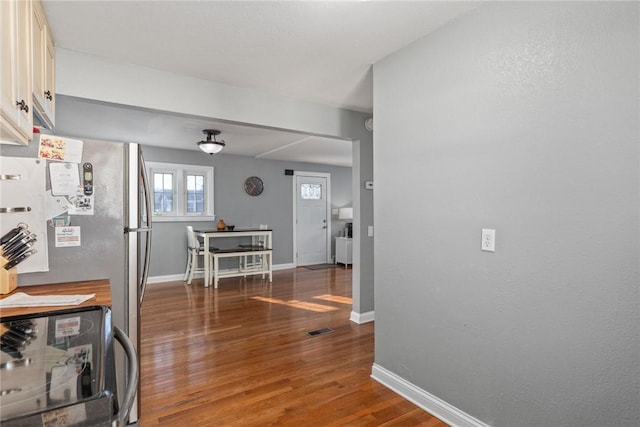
column 522, row 117
column 96, row 78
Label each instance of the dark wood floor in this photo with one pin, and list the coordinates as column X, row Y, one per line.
column 240, row 356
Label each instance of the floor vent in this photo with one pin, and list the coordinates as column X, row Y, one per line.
column 320, row 331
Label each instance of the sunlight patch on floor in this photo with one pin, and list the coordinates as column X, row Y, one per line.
column 297, row 304
column 335, row 298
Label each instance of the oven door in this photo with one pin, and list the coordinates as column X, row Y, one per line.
column 57, row 368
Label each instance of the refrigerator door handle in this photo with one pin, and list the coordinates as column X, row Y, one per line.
column 136, row 230
column 147, row 214
column 134, row 375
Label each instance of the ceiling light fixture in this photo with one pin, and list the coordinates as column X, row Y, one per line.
column 209, row 146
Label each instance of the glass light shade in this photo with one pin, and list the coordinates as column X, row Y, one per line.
column 211, row 147
column 345, row 213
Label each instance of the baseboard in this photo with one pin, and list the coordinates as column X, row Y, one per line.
column 361, row 318
column 427, row 401
column 174, row 277
column 169, row 278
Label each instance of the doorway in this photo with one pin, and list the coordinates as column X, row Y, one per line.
column 312, row 225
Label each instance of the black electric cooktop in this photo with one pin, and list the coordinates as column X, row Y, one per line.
column 57, row 369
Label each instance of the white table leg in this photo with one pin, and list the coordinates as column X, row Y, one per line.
column 207, row 262
column 215, row 272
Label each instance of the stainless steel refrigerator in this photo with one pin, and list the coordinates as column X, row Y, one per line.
column 115, row 236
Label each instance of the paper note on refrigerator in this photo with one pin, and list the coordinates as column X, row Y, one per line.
column 55, row 205
column 65, row 179
column 81, row 204
column 67, row 236
column 59, row 148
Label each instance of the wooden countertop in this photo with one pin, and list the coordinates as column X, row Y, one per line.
column 101, row 288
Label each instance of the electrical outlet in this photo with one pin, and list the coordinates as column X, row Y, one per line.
column 488, row 240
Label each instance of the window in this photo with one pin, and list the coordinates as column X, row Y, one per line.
column 195, row 193
column 163, row 192
column 181, row 192
column 311, row 191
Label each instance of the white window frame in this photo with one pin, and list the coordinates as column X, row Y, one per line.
column 180, row 171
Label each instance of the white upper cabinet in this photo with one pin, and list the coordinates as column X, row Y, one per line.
column 16, row 109
column 43, row 68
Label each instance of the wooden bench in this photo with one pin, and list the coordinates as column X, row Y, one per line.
column 262, row 236
column 263, row 267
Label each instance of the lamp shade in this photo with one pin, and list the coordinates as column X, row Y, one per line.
column 345, row 213
column 211, row 146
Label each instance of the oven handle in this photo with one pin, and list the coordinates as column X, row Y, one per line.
column 132, row 387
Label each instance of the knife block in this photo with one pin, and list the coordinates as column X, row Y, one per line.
column 8, row 279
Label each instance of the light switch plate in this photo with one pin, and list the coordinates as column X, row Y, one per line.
column 488, row 240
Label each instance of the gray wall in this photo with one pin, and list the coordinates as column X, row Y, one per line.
column 273, row 207
column 132, row 85
column 168, row 253
column 364, row 268
column 522, row 117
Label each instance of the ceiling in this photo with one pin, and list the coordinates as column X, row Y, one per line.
column 316, row 51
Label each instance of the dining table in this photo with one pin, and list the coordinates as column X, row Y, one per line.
column 214, row 238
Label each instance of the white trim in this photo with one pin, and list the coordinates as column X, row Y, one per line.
column 327, row 176
column 178, row 277
column 283, row 266
column 361, row 318
column 427, row 401
column 179, row 172
column 168, row 278
column 184, row 218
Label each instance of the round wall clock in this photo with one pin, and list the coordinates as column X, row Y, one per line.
column 253, row 186
column 368, row 124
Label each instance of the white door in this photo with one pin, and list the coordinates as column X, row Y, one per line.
column 311, row 219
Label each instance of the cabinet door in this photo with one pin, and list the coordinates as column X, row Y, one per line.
column 344, row 250
column 7, row 56
column 49, row 78
column 38, row 30
column 349, row 251
column 43, row 57
column 341, row 251
column 16, row 119
column 24, row 69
